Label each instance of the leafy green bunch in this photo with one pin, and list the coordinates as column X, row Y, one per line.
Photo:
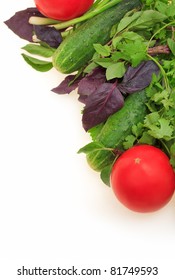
column 147, row 34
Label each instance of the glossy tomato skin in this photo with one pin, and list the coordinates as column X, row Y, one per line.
column 143, row 179
column 63, row 9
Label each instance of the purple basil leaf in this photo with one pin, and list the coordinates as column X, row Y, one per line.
column 90, row 83
column 138, row 78
column 49, row 35
column 67, row 85
column 101, row 104
column 19, row 24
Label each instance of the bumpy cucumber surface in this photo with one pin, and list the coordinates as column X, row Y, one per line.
column 116, row 128
column 77, row 48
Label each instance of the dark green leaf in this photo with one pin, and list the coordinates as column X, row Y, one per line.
column 91, row 147
column 126, row 21
column 147, row 19
column 105, row 174
column 38, row 50
column 172, row 155
column 39, row 65
column 171, row 45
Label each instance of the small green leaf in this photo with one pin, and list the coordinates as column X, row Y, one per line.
column 163, row 129
column 102, row 50
column 137, row 129
column 104, row 62
column 146, row 139
column 151, row 119
column 129, row 141
column 171, row 45
column 172, row 155
column 91, row 66
column 38, row 50
column 116, row 56
column 37, row 64
column 105, row 174
column 147, row 19
column 91, row 147
column 126, row 21
column 115, row 70
column 135, row 51
column 116, row 40
column 132, row 36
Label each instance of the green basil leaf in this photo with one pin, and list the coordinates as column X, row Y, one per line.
column 115, row 70
column 126, row 21
column 102, row 50
column 37, row 64
column 147, row 19
column 38, row 50
column 171, row 45
column 91, row 147
column 105, row 174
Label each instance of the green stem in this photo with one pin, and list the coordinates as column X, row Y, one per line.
column 86, row 16
column 65, row 33
column 48, row 21
column 162, row 71
column 96, row 3
column 160, row 29
column 165, row 146
column 98, row 7
column 42, row 21
column 103, row 2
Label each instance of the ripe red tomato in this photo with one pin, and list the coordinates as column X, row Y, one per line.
column 143, row 179
column 63, row 9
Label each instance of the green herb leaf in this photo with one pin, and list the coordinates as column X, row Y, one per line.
column 91, row 147
column 151, row 119
column 115, row 70
column 129, row 141
column 137, row 130
column 38, row 50
column 171, row 45
column 39, row 65
column 105, row 174
column 161, row 130
column 135, row 50
column 146, row 139
column 126, row 21
column 147, row 19
column 102, row 50
column 172, row 155
column 104, row 62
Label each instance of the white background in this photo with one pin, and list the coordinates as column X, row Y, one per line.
column 54, row 210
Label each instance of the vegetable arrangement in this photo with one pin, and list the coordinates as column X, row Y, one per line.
column 120, row 56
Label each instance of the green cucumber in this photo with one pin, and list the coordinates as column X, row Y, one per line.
column 77, row 48
column 117, row 127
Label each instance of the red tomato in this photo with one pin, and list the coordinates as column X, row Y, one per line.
column 63, row 9
column 143, row 179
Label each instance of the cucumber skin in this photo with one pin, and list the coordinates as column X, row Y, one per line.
column 117, row 127
column 77, row 49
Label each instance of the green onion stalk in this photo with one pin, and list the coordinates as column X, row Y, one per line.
column 98, row 7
